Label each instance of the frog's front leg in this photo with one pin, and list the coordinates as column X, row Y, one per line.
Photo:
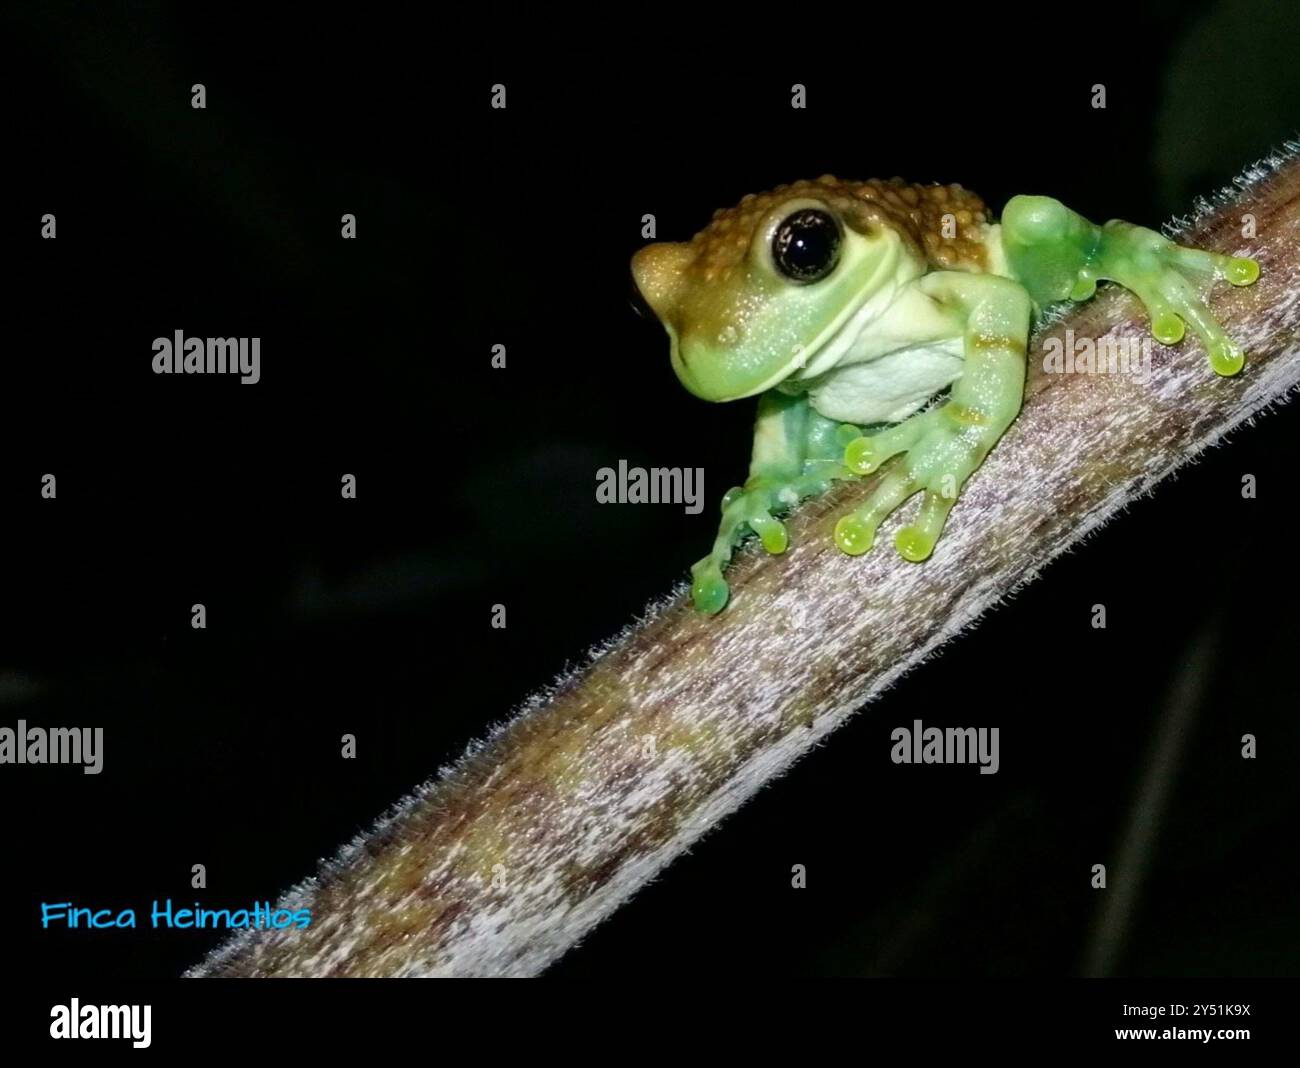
column 796, row 455
column 1058, row 255
column 945, row 444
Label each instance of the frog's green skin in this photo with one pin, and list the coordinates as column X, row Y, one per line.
column 845, row 305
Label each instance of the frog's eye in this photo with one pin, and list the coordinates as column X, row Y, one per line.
column 806, row 245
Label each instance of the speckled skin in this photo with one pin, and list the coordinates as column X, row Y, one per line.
column 915, row 211
column 847, row 307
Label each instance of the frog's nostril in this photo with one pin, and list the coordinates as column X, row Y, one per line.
column 637, row 299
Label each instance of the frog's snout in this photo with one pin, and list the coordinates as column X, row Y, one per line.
column 659, row 271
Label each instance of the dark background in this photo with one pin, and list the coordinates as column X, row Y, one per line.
column 476, row 486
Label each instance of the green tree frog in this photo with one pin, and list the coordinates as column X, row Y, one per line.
column 849, row 308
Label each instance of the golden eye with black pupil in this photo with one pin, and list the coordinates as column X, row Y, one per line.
column 806, row 246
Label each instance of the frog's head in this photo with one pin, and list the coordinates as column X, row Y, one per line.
column 752, row 298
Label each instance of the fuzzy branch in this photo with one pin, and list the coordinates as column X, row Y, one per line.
column 541, row 831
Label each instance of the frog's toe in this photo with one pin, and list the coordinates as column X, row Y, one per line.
column 854, row 535
column 771, row 532
column 1241, row 271
column 856, row 532
column 709, row 591
column 1176, row 303
column 917, row 541
column 1225, row 354
column 1238, row 270
column 731, row 497
column 846, row 433
column 863, row 455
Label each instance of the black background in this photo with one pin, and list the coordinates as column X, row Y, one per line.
column 476, row 486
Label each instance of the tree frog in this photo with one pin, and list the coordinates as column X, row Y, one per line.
column 849, row 308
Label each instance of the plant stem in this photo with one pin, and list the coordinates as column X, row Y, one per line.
column 545, row 828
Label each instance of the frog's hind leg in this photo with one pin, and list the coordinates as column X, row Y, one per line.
column 944, row 445
column 1058, row 255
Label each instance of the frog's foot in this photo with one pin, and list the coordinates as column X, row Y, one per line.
column 1161, row 274
column 749, row 508
column 1062, row 251
column 944, row 446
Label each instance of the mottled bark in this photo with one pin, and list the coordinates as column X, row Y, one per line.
column 546, row 827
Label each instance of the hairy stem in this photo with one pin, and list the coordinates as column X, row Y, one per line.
column 541, row 831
